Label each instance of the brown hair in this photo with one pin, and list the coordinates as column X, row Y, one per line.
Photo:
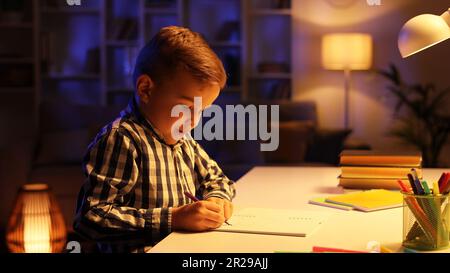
column 176, row 47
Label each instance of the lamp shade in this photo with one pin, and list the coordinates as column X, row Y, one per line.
column 347, row 51
column 423, row 31
column 36, row 224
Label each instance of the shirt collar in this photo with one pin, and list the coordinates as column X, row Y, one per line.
column 133, row 109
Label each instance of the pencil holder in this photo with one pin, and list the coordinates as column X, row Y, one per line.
column 426, row 221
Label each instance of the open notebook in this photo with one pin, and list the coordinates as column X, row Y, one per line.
column 275, row 222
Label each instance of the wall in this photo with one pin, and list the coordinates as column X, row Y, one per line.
column 371, row 113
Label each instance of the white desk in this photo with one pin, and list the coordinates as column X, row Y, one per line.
column 291, row 188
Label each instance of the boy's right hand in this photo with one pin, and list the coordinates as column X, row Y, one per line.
column 198, row 216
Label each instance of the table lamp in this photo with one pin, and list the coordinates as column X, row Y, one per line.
column 423, row 31
column 36, row 224
column 347, row 52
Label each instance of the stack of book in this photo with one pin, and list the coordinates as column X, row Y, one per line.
column 377, row 169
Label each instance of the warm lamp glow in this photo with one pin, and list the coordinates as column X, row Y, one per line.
column 347, row 51
column 36, row 224
column 422, row 32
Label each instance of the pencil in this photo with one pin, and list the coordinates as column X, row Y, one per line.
column 195, row 199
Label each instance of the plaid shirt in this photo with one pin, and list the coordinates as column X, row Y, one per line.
column 134, row 179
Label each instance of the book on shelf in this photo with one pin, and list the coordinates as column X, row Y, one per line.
column 47, row 49
column 273, row 67
column 160, row 3
column 381, row 158
column 281, row 4
column 281, row 90
column 377, row 172
column 92, row 64
column 124, row 29
column 229, row 31
column 231, row 63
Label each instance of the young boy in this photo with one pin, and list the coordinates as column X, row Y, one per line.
column 138, row 171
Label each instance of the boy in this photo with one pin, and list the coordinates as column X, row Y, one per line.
column 138, row 171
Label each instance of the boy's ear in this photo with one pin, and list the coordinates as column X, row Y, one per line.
column 144, row 87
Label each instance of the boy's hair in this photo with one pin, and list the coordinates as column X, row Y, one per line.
column 175, row 47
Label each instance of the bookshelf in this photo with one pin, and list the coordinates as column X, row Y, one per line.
column 70, row 48
column 19, row 67
column 90, row 50
column 268, row 55
column 221, row 24
column 63, row 11
column 18, row 58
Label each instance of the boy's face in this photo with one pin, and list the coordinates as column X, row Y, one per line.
column 181, row 89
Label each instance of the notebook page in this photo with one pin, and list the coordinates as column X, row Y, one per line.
column 275, row 222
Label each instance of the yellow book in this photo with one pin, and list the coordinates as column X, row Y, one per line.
column 320, row 201
column 369, row 200
column 376, row 172
column 371, row 183
column 381, row 158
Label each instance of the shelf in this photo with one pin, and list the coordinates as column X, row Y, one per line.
column 73, row 10
column 161, row 11
column 224, row 44
column 16, row 60
column 264, row 12
column 16, row 90
column 271, row 76
column 122, row 43
column 62, row 77
column 16, row 25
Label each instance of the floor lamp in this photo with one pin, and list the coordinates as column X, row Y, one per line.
column 347, row 52
column 423, row 31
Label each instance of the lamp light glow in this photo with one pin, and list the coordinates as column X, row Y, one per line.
column 36, row 224
column 342, row 51
column 347, row 52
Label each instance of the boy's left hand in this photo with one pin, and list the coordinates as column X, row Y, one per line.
column 227, row 206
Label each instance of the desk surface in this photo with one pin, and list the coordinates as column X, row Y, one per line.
column 291, row 188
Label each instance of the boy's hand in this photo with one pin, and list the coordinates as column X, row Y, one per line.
column 227, row 206
column 198, row 216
